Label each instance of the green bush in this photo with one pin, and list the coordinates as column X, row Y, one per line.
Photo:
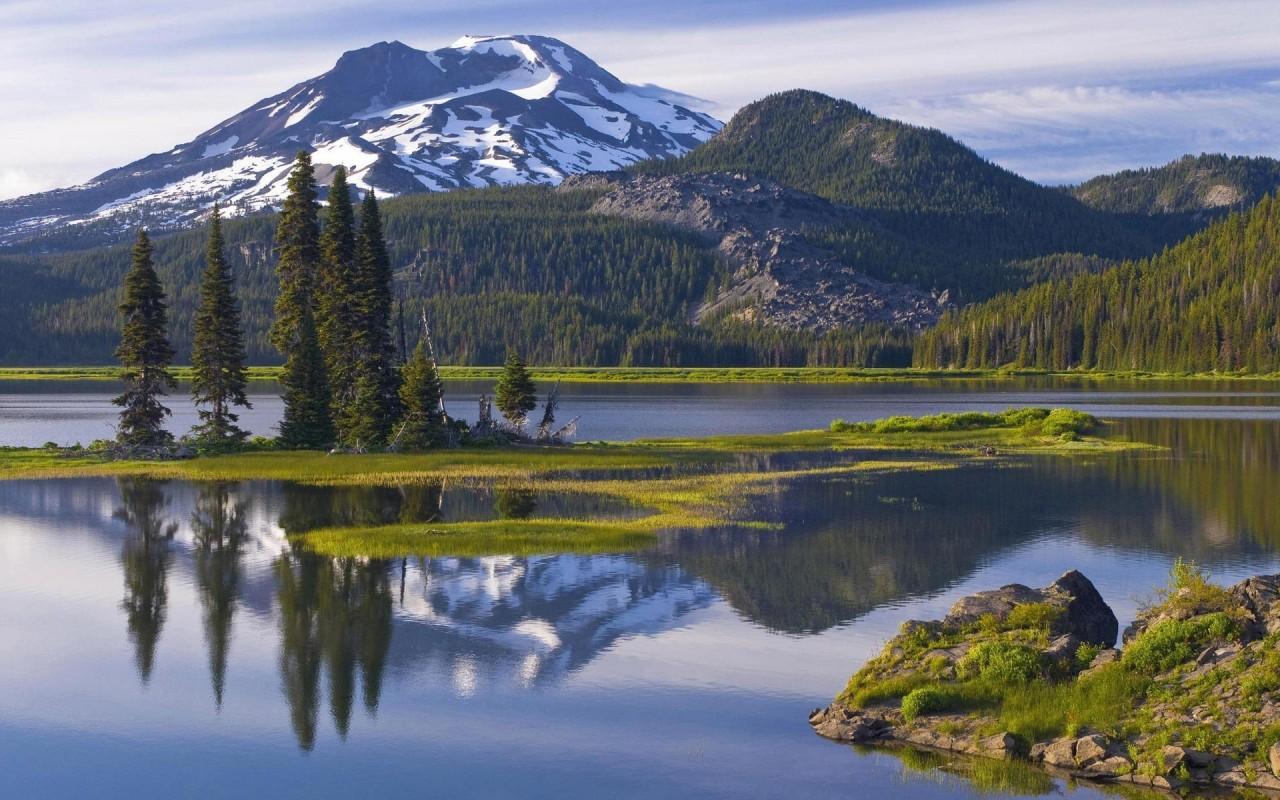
column 1085, row 654
column 1064, row 421
column 1002, row 663
column 1034, row 616
column 927, row 700
column 1167, row 644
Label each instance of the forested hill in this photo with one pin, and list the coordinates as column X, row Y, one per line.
column 524, row 266
column 1191, row 185
column 1210, row 304
column 920, row 182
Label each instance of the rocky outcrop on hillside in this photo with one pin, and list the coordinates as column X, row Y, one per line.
column 759, row 228
column 1192, row 699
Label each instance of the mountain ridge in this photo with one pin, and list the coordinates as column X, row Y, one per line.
column 484, row 111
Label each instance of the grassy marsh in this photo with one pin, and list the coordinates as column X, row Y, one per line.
column 680, row 483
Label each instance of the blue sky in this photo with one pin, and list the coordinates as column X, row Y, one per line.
column 1057, row 91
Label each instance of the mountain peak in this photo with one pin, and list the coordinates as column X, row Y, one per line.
column 487, row 110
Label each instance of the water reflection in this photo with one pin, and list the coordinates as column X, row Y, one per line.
column 304, row 650
column 849, row 545
column 219, row 530
column 334, row 613
column 145, row 558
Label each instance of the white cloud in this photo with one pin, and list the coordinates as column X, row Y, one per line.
column 1069, row 133
column 16, row 182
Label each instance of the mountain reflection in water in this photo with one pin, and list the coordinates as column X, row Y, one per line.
column 203, row 577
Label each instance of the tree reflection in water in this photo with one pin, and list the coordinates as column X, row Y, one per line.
column 219, row 531
column 146, row 558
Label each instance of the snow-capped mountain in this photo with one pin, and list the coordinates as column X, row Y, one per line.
column 487, row 110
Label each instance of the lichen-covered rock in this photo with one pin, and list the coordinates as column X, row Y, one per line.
column 1085, row 614
column 1003, row 745
column 1090, row 749
column 1060, row 753
column 848, row 725
column 1261, row 596
column 1214, row 673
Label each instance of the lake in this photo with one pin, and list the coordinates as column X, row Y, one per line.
column 66, row 412
column 162, row 639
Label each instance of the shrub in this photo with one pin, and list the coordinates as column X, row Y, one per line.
column 1002, row 663
column 927, row 700
column 1085, row 654
column 1167, row 644
column 1035, row 616
column 1189, row 589
column 1064, row 421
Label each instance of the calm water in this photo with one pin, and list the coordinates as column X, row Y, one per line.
column 163, row 639
column 66, row 412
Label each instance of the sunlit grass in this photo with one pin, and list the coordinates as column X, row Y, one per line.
column 687, row 503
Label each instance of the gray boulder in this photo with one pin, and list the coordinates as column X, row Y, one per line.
column 1085, row 614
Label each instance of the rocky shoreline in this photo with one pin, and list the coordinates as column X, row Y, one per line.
column 1192, row 699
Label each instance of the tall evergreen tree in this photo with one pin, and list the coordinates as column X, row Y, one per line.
column 307, row 423
column 516, row 393
column 307, row 420
column 338, row 316
column 218, row 353
column 420, row 396
column 376, row 385
column 144, row 352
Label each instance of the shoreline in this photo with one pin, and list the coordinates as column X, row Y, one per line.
column 698, row 375
column 1034, row 678
column 680, row 483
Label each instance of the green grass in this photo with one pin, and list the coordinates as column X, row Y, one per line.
column 689, row 374
column 680, row 498
column 1000, row 685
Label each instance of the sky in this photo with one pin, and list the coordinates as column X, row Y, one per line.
column 1056, row 91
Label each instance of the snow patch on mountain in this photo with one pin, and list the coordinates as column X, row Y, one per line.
column 487, row 110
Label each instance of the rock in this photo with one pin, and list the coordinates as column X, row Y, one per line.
column 1003, row 745
column 848, row 725
column 1260, row 595
column 761, row 229
column 1274, row 757
column 1105, row 657
column 1088, row 615
column 1037, row 751
column 1090, row 749
column 1063, row 648
column 1060, row 753
column 1173, row 758
column 996, row 603
column 1109, row 767
column 1085, row 614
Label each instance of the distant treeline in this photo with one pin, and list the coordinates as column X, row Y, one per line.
column 494, row 268
column 1210, row 304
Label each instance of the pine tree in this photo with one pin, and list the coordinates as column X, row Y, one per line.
column 338, row 316
column 298, row 242
column 307, row 419
column 376, row 403
column 516, row 393
column 307, row 423
column 144, row 352
column 218, row 353
column 420, row 396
